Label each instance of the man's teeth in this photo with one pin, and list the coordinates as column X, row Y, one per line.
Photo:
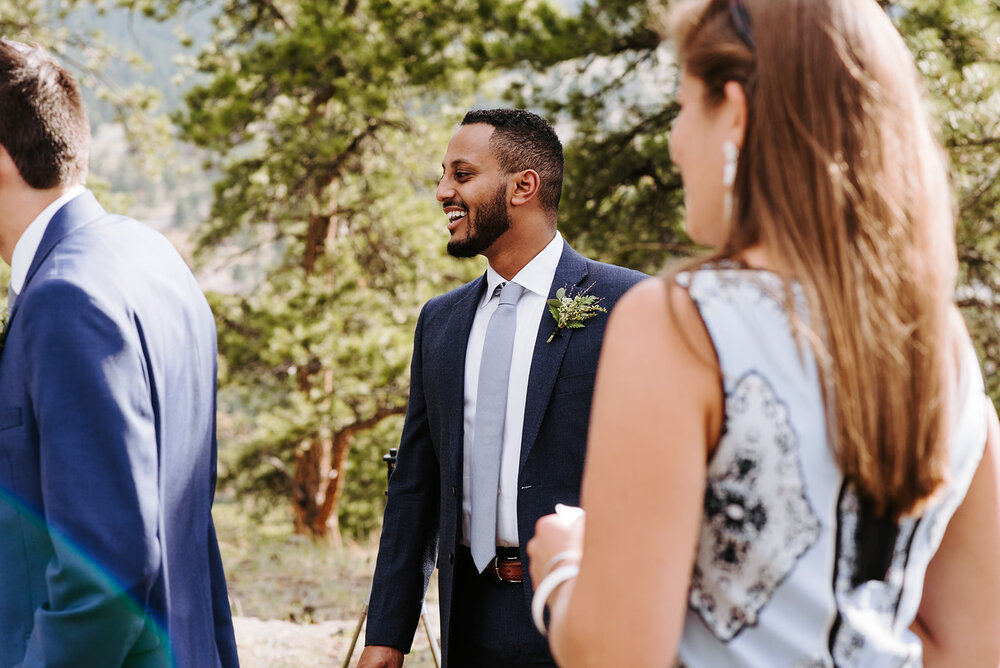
column 455, row 215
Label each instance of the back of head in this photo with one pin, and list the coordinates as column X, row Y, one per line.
column 43, row 123
column 841, row 178
column 522, row 140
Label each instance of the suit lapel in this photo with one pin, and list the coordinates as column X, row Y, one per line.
column 547, row 357
column 457, row 328
column 71, row 216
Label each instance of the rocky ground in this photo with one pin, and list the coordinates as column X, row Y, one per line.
column 274, row 643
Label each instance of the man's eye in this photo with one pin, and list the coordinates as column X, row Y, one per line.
column 461, row 176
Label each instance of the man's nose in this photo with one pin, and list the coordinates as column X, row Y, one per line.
column 444, row 190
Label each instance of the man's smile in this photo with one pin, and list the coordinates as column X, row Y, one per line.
column 455, row 216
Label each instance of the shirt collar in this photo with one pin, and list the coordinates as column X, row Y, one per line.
column 27, row 245
column 536, row 276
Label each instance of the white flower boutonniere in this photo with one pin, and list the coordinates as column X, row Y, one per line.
column 571, row 310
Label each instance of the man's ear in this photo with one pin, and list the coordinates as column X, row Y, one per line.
column 7, row 167
column 10, row 175
column 526, row 186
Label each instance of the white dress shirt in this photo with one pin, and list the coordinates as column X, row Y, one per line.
column 27, row 245
column 536, row 279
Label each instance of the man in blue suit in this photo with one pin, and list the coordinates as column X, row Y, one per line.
column 500, row 191
column 108, row 554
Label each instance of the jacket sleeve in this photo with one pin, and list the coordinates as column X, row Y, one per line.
column 98, row 463
column 225, row 638
column 410, row 525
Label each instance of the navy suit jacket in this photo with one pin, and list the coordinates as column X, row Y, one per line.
column 423, row 512
column 108, row 554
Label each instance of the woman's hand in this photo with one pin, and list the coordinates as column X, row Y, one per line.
column 557, row 535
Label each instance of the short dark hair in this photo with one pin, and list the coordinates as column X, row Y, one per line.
column 43, row 123
column 523, row 140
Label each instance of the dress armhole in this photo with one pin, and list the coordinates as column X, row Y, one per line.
column 684, row 281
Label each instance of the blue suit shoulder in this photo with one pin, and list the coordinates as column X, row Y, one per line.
column 444, row 303
column 612, row 278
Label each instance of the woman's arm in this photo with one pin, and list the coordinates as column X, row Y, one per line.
column 657, row 411
column 959, row 616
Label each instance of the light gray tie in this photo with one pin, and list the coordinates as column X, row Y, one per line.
column 11, row 297
column 491, row 410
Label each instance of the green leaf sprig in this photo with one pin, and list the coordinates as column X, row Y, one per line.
column 571, row 310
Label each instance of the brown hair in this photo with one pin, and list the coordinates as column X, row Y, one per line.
column 842, row 179
column 43, row 123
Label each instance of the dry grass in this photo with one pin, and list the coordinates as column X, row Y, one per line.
column 297, row 602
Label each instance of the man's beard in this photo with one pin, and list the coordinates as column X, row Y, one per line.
column 491, row 221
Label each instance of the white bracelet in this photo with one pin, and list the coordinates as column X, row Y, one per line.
column 544, row 590
column 561, row 557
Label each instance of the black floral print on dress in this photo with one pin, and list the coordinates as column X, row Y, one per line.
column 757, row 519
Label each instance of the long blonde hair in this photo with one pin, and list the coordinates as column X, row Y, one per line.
column 842, row 179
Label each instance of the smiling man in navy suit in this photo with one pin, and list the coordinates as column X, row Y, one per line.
column 108, row 554
column 500, row 192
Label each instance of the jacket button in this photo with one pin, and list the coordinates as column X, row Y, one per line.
column 454, row 491
column 451, row 558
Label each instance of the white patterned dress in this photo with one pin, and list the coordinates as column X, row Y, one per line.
column 791, row 569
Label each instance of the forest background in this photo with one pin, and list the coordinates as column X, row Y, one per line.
column 290, row 149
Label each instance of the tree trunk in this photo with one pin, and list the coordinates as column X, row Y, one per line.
column 316, row 480
column 316, row 235
column 315, row 483
column 341, row 446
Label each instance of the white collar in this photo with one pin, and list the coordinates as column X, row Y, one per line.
column 27, row 245
column 536, row 276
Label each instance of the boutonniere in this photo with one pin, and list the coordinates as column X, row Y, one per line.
column 571, row 310
column 3, row 325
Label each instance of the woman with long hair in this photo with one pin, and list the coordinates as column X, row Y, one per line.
column 792, row 460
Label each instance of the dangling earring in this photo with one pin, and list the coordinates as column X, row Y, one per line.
column 731, row 156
